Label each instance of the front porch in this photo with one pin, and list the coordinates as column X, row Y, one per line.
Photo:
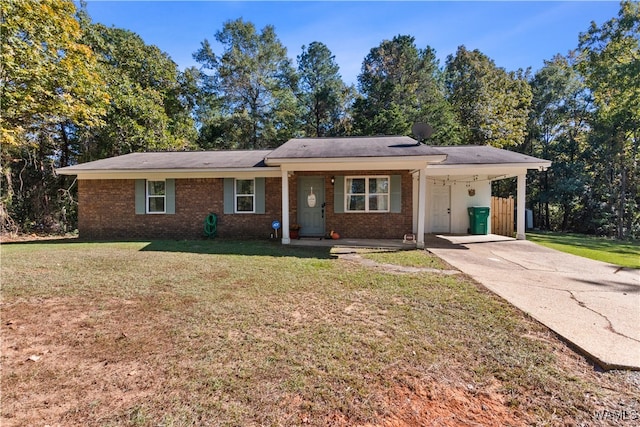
column 430, row 241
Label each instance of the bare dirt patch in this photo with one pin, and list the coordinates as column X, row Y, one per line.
column 449, row 405
column 69, row 360
column 393, row 268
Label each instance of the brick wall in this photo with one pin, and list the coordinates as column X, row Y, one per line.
column 107, row 211
column 360, row 225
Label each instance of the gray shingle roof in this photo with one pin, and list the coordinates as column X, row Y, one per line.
column 304, row 148
column 327, row 148
column 483, row 154
column 180, row 160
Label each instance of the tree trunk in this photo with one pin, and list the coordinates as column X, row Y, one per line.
column 65, row 149
column 547, row 215
column 622, row 202
column 317, row 117
column 566, row 211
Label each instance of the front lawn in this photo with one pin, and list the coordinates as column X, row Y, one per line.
column 623, row 253
column 255, row 333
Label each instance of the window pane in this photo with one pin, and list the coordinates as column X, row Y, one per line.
column 356, row 203
column 244, row 204
column 155, row 188
column 378, row 185
column 244, row 186
column 355, row 185
column 379, row 203
column 156, row 204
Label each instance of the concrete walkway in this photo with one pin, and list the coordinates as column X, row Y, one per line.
column 593, row 305
column 354, row 243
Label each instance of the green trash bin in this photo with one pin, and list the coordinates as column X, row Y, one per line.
column 478, row 220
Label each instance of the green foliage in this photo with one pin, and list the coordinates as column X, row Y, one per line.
column 75, row 91
column 492, row 104
column 323, row 95
column 558, row 130
column 610, row 62
column 402, row 85
column 585, row 118
column 48, row 76
column 148, row 109
column 50, row 90
column 252, row 83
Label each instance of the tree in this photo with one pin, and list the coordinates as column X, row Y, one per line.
column 559, row 127
column 151, row 101
column 401, row 85
column 322, row 93
column 610, row 62
column 47, row 75
column 492, row 105
column 50, row 90
column 255, row 83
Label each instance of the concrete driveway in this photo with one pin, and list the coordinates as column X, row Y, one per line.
column 593, row 305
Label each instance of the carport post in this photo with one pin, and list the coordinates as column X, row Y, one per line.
column 520, row 209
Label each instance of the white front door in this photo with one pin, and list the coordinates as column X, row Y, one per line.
column 441, row 209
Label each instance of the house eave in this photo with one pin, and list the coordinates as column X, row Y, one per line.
column 485, row 168
column 359, row 163
column 266, row 172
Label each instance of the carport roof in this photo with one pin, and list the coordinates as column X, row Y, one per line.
column 484, row 155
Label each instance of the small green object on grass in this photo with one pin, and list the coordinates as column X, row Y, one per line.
column 211, row 225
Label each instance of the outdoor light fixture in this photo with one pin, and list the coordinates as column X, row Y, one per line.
column 333, row 180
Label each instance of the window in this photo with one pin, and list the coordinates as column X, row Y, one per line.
column 367, row 194
column 245, row 195
column 156, row 196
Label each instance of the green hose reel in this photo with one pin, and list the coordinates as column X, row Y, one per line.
column 211, row 225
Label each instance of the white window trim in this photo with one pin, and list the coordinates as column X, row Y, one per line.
column 147, row 196
column 236, row 195
column 366, row 194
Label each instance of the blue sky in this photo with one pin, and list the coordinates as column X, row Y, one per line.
column 513, row 34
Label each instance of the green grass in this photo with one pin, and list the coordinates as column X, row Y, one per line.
column 413, row 258
column 256, row 333
column 623, row 253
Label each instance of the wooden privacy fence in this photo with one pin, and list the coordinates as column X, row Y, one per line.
column 502, row 216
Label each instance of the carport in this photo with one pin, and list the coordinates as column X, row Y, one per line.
column 464, row 180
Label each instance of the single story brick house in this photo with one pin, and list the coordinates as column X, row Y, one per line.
column 362, row 187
